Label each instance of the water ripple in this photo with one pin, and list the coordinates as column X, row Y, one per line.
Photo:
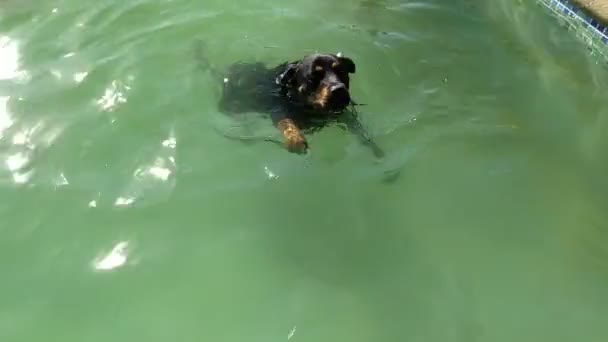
column 153, row 180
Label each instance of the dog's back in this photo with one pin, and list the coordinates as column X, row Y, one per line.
column 250, row 87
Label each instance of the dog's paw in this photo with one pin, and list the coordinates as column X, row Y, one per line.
column 296, row 143
column 294, row 140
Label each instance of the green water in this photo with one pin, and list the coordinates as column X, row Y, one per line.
column 128, row 216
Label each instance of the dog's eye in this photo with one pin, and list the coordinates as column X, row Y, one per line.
column 317, row 74
column 338, row 68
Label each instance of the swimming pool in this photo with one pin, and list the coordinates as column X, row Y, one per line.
column 127, row 216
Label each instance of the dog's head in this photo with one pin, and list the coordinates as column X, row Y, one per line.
column 321, row 81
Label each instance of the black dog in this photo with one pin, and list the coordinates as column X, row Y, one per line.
column 301, row 97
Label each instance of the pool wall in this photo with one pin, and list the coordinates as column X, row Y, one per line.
column 588, row 27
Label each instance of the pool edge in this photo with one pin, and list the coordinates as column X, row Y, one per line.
column 588, row 23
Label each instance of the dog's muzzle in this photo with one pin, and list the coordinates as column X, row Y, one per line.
column 339, row 97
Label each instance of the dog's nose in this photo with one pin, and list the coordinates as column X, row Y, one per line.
column 337, row 87
column 339, row 95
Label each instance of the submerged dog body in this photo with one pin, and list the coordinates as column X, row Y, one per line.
column 300, row 97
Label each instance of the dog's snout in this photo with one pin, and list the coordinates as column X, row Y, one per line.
column 340, row 97
column 337, row 87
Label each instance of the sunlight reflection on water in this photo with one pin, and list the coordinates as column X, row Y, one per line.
column 117, row 257
column 10, row 70
column 9, row 60
column 113, row 96
column 5, row 119
column 22, row 139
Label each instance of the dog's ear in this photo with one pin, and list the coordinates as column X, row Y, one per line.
column 349, row 65
column 286, row 77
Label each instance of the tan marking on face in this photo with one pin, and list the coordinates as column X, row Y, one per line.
column 318, row 68
column 321, row 97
